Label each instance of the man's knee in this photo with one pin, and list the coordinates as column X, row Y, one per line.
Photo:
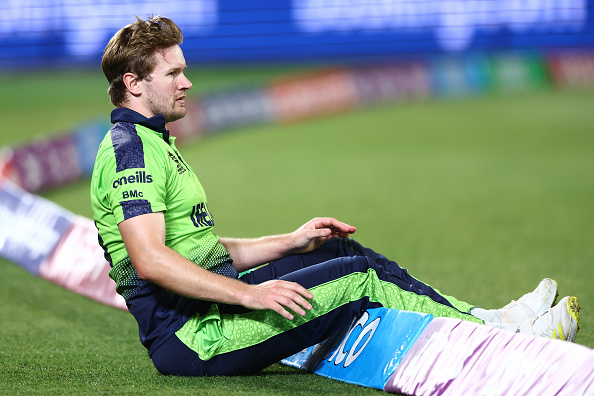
column 340, row 247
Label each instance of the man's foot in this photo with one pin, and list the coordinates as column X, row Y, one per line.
column 531, row 304
column 560, row 322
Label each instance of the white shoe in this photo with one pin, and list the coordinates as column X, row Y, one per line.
column 531, row 304
column 560, row 322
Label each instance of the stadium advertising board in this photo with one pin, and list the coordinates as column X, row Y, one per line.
column 572, row 70
column 312, row 95
column 46, row 163
column 516, row 73
column 461, row 76
column 87, row 138
column 236, row 108
column 394, row 82
column 222, row 31
column 192, row 125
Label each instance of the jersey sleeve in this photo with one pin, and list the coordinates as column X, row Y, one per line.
column 137, row 184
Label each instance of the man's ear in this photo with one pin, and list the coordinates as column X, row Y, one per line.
column 132, row 83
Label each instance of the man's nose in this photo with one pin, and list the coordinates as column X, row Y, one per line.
column 186, row 84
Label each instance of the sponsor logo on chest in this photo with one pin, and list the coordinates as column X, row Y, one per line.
column 180, row 167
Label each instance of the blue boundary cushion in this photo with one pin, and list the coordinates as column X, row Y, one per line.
column 368, row 352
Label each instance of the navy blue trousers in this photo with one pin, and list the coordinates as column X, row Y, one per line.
column 335, row 259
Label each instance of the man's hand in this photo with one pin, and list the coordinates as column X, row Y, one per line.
column 315, row 232
column 277, row 295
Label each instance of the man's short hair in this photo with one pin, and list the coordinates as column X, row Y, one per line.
column 132, row 50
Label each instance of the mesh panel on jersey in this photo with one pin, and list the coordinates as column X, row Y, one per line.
column 213, row 258
column 126, row 278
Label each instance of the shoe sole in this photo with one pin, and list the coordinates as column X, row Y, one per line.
column 573, row 311
column 573, row 307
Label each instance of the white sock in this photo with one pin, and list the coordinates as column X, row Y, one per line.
column 488, row 315
column 514, row 328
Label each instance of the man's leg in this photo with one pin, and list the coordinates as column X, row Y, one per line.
column 534, row 303
column 508, row 317
column 231, row 340
column 347, row 247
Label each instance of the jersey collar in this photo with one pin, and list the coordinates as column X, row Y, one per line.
column 156, row 123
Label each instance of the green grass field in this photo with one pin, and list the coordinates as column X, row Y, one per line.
column 479, row 197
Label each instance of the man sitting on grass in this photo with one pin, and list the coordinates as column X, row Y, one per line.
column 196, row 315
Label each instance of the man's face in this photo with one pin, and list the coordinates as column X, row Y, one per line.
column 164, row 90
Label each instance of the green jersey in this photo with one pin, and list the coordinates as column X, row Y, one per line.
column 138, row 170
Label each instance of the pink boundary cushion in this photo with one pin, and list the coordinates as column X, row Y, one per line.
column 78, row 265
column 453, row 357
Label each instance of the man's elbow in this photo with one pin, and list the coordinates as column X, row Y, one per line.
column 145, row 270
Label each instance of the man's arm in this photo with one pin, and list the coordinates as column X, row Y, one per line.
column 249, row 253
column 144, row 238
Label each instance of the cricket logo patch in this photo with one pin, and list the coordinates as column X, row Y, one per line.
column 201, row 216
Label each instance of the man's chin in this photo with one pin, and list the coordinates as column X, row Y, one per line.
column 175, row 116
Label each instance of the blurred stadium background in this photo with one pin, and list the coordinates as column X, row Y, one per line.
column 457, row 136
